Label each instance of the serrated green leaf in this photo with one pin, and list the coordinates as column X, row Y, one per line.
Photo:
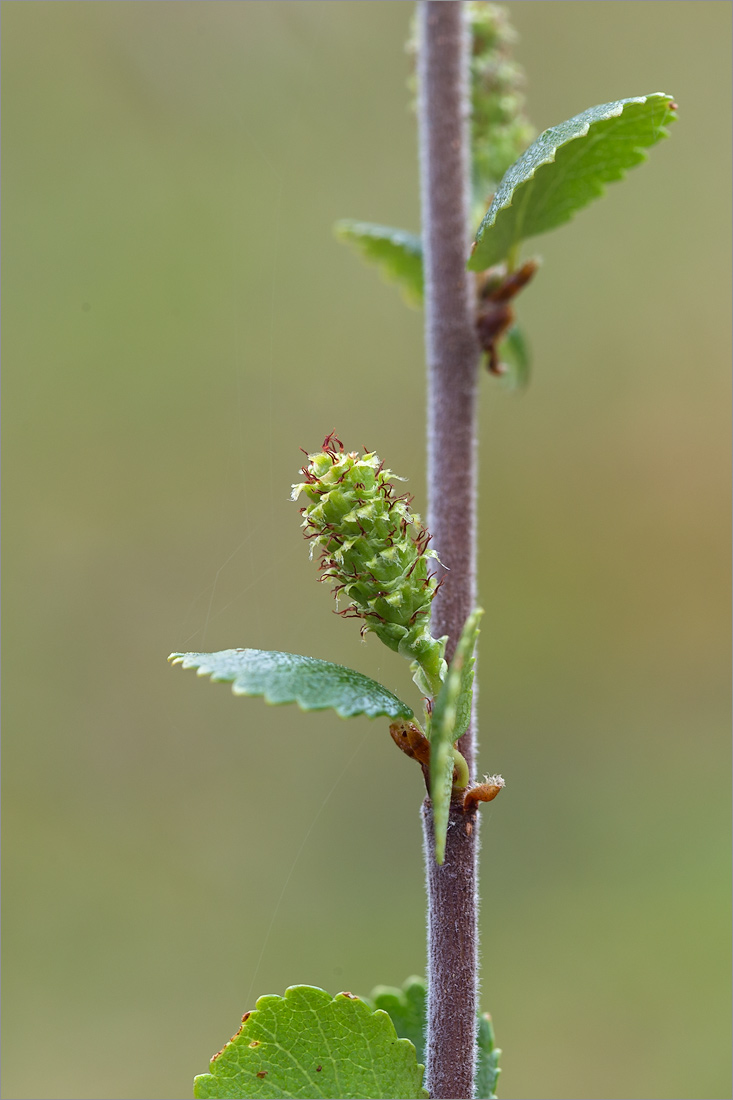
column 408, row 1011
column 397, row 253
column 514, row 353
column 407, row 1008
column 449, row 721
column 487, row 1063
column 290, row 678
column 565, row 168
column 308, row 1044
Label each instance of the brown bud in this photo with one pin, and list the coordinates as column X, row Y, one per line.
column 413, row 742
column 483, row 792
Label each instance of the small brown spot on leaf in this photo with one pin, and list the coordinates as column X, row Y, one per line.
column 255, row 1043
column 246, row 1017
column 262, row 1073
column 318, row 1069
column 351, row 996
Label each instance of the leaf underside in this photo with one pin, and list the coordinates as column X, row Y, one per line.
column 566, row 168
column 308, row 1044
column 290, row 678
column 450, row 718
column 397, row 253
column 407, row 1008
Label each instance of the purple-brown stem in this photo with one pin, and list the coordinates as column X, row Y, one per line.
column 452, row 360
column 450, row 1048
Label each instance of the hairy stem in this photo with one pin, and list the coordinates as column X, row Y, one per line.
column 452, row 948
column 452, row 360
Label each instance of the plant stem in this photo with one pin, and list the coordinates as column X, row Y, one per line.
column 452, row 360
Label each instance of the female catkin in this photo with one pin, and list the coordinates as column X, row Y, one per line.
column 375, row 551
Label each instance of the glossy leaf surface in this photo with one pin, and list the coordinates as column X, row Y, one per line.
column 566, row 168
column 290, row 678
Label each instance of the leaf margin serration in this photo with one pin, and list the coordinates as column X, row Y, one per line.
column 482, row 257
column 397, row 709
column 232, row 1071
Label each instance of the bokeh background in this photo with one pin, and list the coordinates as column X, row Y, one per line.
column 178, row 320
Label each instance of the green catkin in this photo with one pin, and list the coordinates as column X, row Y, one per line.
column 500, row 130
column 375, row 551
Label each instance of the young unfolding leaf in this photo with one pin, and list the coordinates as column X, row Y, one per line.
column 454, row 701
column 397, row 253
column 289, row 678
column 311, row 1045
column 450, row 719
column 441, row 783
column 565, row 168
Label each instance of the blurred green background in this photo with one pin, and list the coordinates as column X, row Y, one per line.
column 178, row 321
